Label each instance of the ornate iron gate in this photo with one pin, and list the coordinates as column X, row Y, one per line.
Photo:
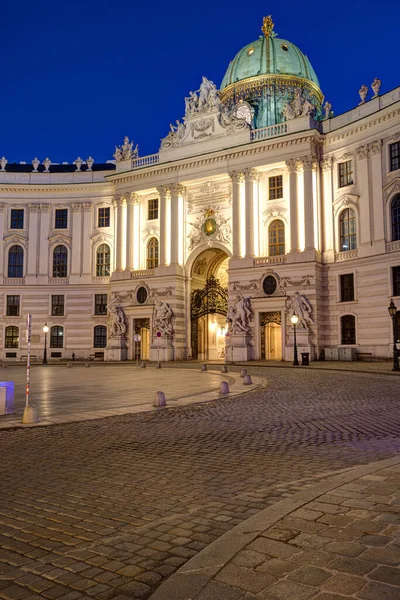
column 213, row 298
column 265, row 318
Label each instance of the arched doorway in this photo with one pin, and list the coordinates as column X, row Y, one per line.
column 271, row 335
column 209, row 304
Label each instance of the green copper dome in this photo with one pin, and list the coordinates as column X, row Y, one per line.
column 269, row 75
column 269, row 55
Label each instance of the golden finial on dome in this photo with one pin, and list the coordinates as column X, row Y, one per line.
column 268, row 26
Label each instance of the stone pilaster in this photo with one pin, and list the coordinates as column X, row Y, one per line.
column 87, row 232
column 375, row 150
column 76, row 250
column 309, row 231
column 237, row 180
column 292, row 166
column 328, row 245
column 44, row 226
column 132, row 200
column 120, row 204
column 177, row 191
column 164, row 191
column 2, row 213
column 362, row 182
column 251, row 178
column 33, row 239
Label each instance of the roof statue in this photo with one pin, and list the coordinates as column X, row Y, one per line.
column 126, row 151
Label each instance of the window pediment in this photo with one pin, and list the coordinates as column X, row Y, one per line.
column 391, row 188
column 15, row 238
column 346, row 201
column 60, row 239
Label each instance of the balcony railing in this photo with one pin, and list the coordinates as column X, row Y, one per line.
column 391, row 246
column 346, row 255
column 100, row 279
column 58, row 280
column 145, row 161
column 14, row 281
column 269, row 260
column 268, row 132
column 143, row 273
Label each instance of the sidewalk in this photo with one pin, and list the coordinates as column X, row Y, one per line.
column 338, row 539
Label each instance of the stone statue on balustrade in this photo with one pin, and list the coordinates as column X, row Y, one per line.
column 206, row 99
column 126, row 151
column 117, row 323
column 163, row 319
column 298, row 107
column 240, row 315
column 300, row 306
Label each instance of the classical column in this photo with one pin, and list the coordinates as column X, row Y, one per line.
column 237, row 180
column 292, row 166
column 76, row 238
column 250, row 176
column 327, row 206
column 164, row 191
column 86, row 238
column 132, row 200
column 363, row 186
column 375, row 149
column 309, row 233
column 120, row 203
column 44, row 226
column 33, row 238
column 177, row 191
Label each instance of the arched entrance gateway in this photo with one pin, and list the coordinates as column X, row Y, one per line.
column 209, row 304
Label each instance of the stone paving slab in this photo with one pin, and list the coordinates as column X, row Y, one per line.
column 296, row 549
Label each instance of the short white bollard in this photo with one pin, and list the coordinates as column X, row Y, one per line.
column 159, row 399
column 30, row 415
column 224, row 369
column 87, row 365
column 143, row 365
column 6, row 397
column 243, row 372
column 203, row 367
column 158, row 365
column 224, row 387
column 69, row 365
column 247, row 380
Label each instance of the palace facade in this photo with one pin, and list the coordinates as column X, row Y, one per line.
column 259, row 204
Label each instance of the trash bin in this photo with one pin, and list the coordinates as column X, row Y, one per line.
column 305, row 359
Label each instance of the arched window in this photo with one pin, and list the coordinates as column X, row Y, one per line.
column 396, row 218
column 16, row 261
column 348, row 329
column 152, row 253
column 11, row 337
column 57, row 337
column 103, row 261
column 100, row 336
column 60, row 262
column 348, row 237
column 276, row 238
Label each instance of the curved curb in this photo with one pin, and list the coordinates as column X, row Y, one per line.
column 192, row 577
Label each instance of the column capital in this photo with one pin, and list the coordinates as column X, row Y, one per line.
column 362, row 152
column 236, row 176
column 44, row 207
column 251, row 174
column 133, row 198
column 164, row 190
column 87, row 206
column 293, row 165
column 177, row 189
column 308, row 162
column 119, row 200
column 326, row 163
column 2, row 206
column 375, row 147
column 34, row 207
column 77, row 206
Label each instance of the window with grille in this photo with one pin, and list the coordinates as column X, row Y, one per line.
column 57, row 337
column 276, row 238
column 396, row 281
column 396, row 218
column 345, row 173
column 152, row 253
column 12, row 306
column 57, row 306
column 348, row 329
column 347, row 287
column 275, row 186
column 61, row 221
column 394, row 150
column 60, row 262
column 100, row 304
column 100, row 336
column 11, row 337
column 103, row 219
column 17, row 218
column 348, row 236
column 103, row 257
column 153, row 209
column 16, row 261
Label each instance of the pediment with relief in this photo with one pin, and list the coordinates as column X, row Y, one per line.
column 15, row 238
column 391, row 188
column 346, row 201
column 60, row 239
column 101, row 238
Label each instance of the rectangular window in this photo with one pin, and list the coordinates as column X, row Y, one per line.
column 153, row 209
column 57, row 337
column 104, row 217
column 348, row 327
column 275, row 185
column 347, row 288
column 394, row 156
column 61, row 221
column 345, row 173
column 396, row 281
column 100, row 304
column 12, row 306
column 57, row 306
column 17, row 218
column 11, row 337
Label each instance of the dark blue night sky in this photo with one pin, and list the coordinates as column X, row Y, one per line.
column 76, row 76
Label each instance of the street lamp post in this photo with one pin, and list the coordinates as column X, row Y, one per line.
column 295, row 319
column 45, row 330
column 392, row 308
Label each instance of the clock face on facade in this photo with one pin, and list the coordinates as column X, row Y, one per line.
column 210, row 226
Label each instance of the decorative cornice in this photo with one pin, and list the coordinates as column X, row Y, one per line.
column 363, row 127
column 51, row 190
column 236, row 176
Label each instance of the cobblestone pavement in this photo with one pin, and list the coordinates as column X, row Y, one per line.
column 109, row 508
